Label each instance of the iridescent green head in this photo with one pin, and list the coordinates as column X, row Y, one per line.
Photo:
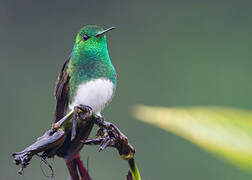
column 90, row 58
column 92, row 39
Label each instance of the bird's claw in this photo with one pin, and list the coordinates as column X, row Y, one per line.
column 80, row 111
column 84, row 111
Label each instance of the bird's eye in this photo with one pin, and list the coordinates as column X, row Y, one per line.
column 85, row 37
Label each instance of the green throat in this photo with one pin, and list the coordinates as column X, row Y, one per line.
column 90, row 59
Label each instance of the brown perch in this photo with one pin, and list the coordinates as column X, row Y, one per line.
column 57, row 141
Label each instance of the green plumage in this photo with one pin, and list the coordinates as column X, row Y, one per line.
column 89, row 60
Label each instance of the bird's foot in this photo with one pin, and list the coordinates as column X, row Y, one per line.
column 80, row 111
column 110, row 136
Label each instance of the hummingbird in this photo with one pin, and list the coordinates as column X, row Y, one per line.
column 88, row 77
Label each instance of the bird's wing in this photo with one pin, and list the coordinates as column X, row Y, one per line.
column 62, row 91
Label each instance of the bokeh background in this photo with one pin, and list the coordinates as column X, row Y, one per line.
column 167, row 53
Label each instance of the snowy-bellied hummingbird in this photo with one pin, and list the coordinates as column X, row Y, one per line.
column 87, row 77
column 85, row 85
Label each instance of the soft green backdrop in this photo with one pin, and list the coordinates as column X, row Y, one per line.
column 167, row 53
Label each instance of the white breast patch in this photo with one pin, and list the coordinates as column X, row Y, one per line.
column 96, row 94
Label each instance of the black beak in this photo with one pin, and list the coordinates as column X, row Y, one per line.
column 105, row 31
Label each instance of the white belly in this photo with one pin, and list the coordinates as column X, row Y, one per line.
column 96, row 94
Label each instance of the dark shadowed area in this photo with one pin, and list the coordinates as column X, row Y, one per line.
column 167, row 53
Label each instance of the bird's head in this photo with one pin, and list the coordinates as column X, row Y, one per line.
column 92, row 38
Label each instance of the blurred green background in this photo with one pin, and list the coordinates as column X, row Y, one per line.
column 167, row 53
